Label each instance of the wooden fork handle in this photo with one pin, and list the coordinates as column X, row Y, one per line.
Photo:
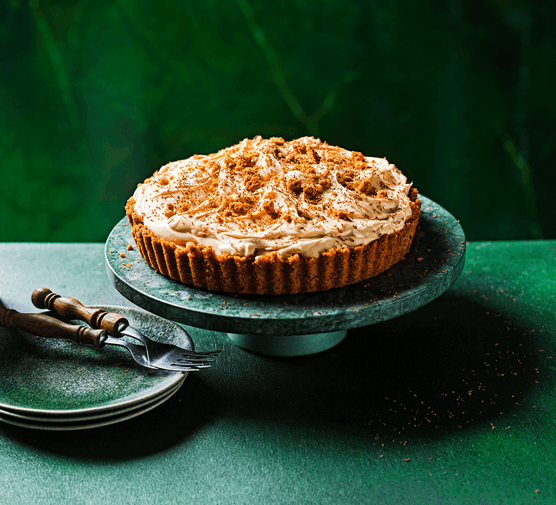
column 43, row 325
column 70, row 308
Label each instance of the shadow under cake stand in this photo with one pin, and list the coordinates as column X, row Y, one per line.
column 295, row 325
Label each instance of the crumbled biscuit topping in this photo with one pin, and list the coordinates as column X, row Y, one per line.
column 265, row 195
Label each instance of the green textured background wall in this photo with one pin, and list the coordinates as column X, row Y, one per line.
column 96, row 95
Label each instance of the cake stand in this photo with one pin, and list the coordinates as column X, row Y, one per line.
column 295, row 325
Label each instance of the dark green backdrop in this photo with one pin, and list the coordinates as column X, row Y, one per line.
column 96, row 95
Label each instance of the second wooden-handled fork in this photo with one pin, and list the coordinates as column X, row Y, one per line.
column 118, row 326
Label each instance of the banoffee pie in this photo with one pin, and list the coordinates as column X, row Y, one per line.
column 268, row 216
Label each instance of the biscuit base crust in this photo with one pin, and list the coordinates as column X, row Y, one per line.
column 199, row 266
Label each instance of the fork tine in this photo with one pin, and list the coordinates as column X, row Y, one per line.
column 179, row 367
column 192, row 365
column 193, row 354
column 192, row 359
column 190, row 368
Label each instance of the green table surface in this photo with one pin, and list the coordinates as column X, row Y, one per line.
column 452, row 403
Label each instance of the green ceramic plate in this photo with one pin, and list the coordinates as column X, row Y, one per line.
column 53, row 377
column 94, row 416
column 83, row 425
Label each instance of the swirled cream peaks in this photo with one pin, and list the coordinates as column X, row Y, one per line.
column 268, row 195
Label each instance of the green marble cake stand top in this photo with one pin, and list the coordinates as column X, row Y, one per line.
column 289, row 325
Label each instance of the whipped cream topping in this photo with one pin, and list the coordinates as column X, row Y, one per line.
column 267, row 195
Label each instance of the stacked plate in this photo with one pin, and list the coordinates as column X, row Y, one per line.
column 52, row 384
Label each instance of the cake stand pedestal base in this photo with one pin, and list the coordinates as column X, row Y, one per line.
column 287, row 345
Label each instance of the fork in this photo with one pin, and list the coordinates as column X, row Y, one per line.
column 43, row 325
column 158, row 354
